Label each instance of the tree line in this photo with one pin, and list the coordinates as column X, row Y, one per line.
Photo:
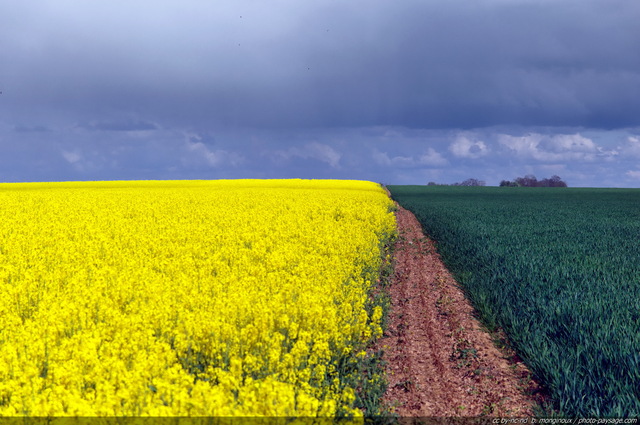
column 527, row 181
column 531, row 181
column 467, row 182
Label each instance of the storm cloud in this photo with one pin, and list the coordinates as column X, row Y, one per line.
column 400, row 92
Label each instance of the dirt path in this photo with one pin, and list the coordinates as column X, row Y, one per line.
column 439, row 361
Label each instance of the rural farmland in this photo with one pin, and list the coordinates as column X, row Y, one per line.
column 558, row 271
column 267, row 297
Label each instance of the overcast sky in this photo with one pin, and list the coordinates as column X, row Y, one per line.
column 398, row 92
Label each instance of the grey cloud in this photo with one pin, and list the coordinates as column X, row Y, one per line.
column 416, row 64
column 465, row 147
column 569, row 142
column 71, row 156
column 314, row 150
column 120, row 125
column 430, row 158
column 389, row 155
column 634, row 174
column 403, row 92
column 555, row 148
column 631, row 147
column 31, row 128
column 382, row 158
column 198, row 153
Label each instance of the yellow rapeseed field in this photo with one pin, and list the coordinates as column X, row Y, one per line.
column 189, row 298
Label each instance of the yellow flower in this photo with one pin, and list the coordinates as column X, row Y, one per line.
column 185, row 298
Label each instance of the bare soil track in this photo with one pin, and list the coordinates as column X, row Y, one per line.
column 440, row 362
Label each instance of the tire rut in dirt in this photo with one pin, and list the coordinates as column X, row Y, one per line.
column 440, row 363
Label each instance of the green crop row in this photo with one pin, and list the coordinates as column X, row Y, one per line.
column 559, row 271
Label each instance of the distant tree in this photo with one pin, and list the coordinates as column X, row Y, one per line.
column 472, row 182
column 507, row 183
column 531, row 181
column 527, row 181
column 556, row 181
column 467, row 182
